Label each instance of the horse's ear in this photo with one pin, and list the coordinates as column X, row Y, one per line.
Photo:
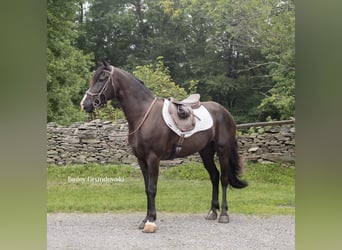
column 105, row 62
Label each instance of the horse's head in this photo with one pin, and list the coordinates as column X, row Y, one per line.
column 101, row 88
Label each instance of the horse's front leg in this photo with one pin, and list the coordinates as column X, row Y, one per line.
column 150, row 171
column 143, row 167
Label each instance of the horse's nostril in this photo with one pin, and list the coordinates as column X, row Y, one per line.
column 97, row 103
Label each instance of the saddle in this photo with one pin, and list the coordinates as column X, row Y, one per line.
column 182, row 112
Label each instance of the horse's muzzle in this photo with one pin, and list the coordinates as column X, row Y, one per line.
column 86, row 104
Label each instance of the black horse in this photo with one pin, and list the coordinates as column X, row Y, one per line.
column 152, row 140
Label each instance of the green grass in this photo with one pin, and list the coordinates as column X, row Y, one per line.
column 183, row 189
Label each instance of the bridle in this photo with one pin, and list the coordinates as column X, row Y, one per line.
column 96, row 97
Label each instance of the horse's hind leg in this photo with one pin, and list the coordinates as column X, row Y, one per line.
column 207, row 155
column 224, row 164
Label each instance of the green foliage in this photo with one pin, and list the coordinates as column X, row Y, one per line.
column 279, row 48
column 157, row 79
column 109, row 30
column 110, row 113
column 68, row 67
column 235, row 50
column 238, row 53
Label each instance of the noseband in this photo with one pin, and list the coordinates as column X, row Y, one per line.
column 96, row 97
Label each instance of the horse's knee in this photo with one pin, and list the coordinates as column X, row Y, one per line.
column 152, row 190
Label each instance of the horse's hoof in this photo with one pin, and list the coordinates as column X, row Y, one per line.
column 211, row 215
column 142, row 225
column 150, row 227
column 223, row 219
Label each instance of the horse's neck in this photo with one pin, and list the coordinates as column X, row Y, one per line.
column 134, row 100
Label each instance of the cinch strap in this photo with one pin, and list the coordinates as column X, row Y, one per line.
column 180, row 143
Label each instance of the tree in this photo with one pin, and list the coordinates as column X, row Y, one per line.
column 157, row 78
column 239, row 53
column 222, row 53
column 279, row 49
column 110, row 30
column 68, row 68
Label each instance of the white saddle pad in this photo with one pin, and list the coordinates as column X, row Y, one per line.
column 205, row 122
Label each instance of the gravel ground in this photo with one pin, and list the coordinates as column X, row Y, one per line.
column 175, row 231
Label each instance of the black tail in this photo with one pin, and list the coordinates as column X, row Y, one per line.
column 235, row 168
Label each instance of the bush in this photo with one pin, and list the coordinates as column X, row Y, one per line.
column 157, row 78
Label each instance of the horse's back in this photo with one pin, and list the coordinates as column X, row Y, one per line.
column 217, row 111
column 224, row 124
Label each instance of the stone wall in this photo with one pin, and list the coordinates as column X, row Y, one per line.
column 98, row 142
column 269, row 144
column 92, row 142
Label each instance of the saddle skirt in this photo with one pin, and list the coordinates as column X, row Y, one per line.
column 199, row 120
